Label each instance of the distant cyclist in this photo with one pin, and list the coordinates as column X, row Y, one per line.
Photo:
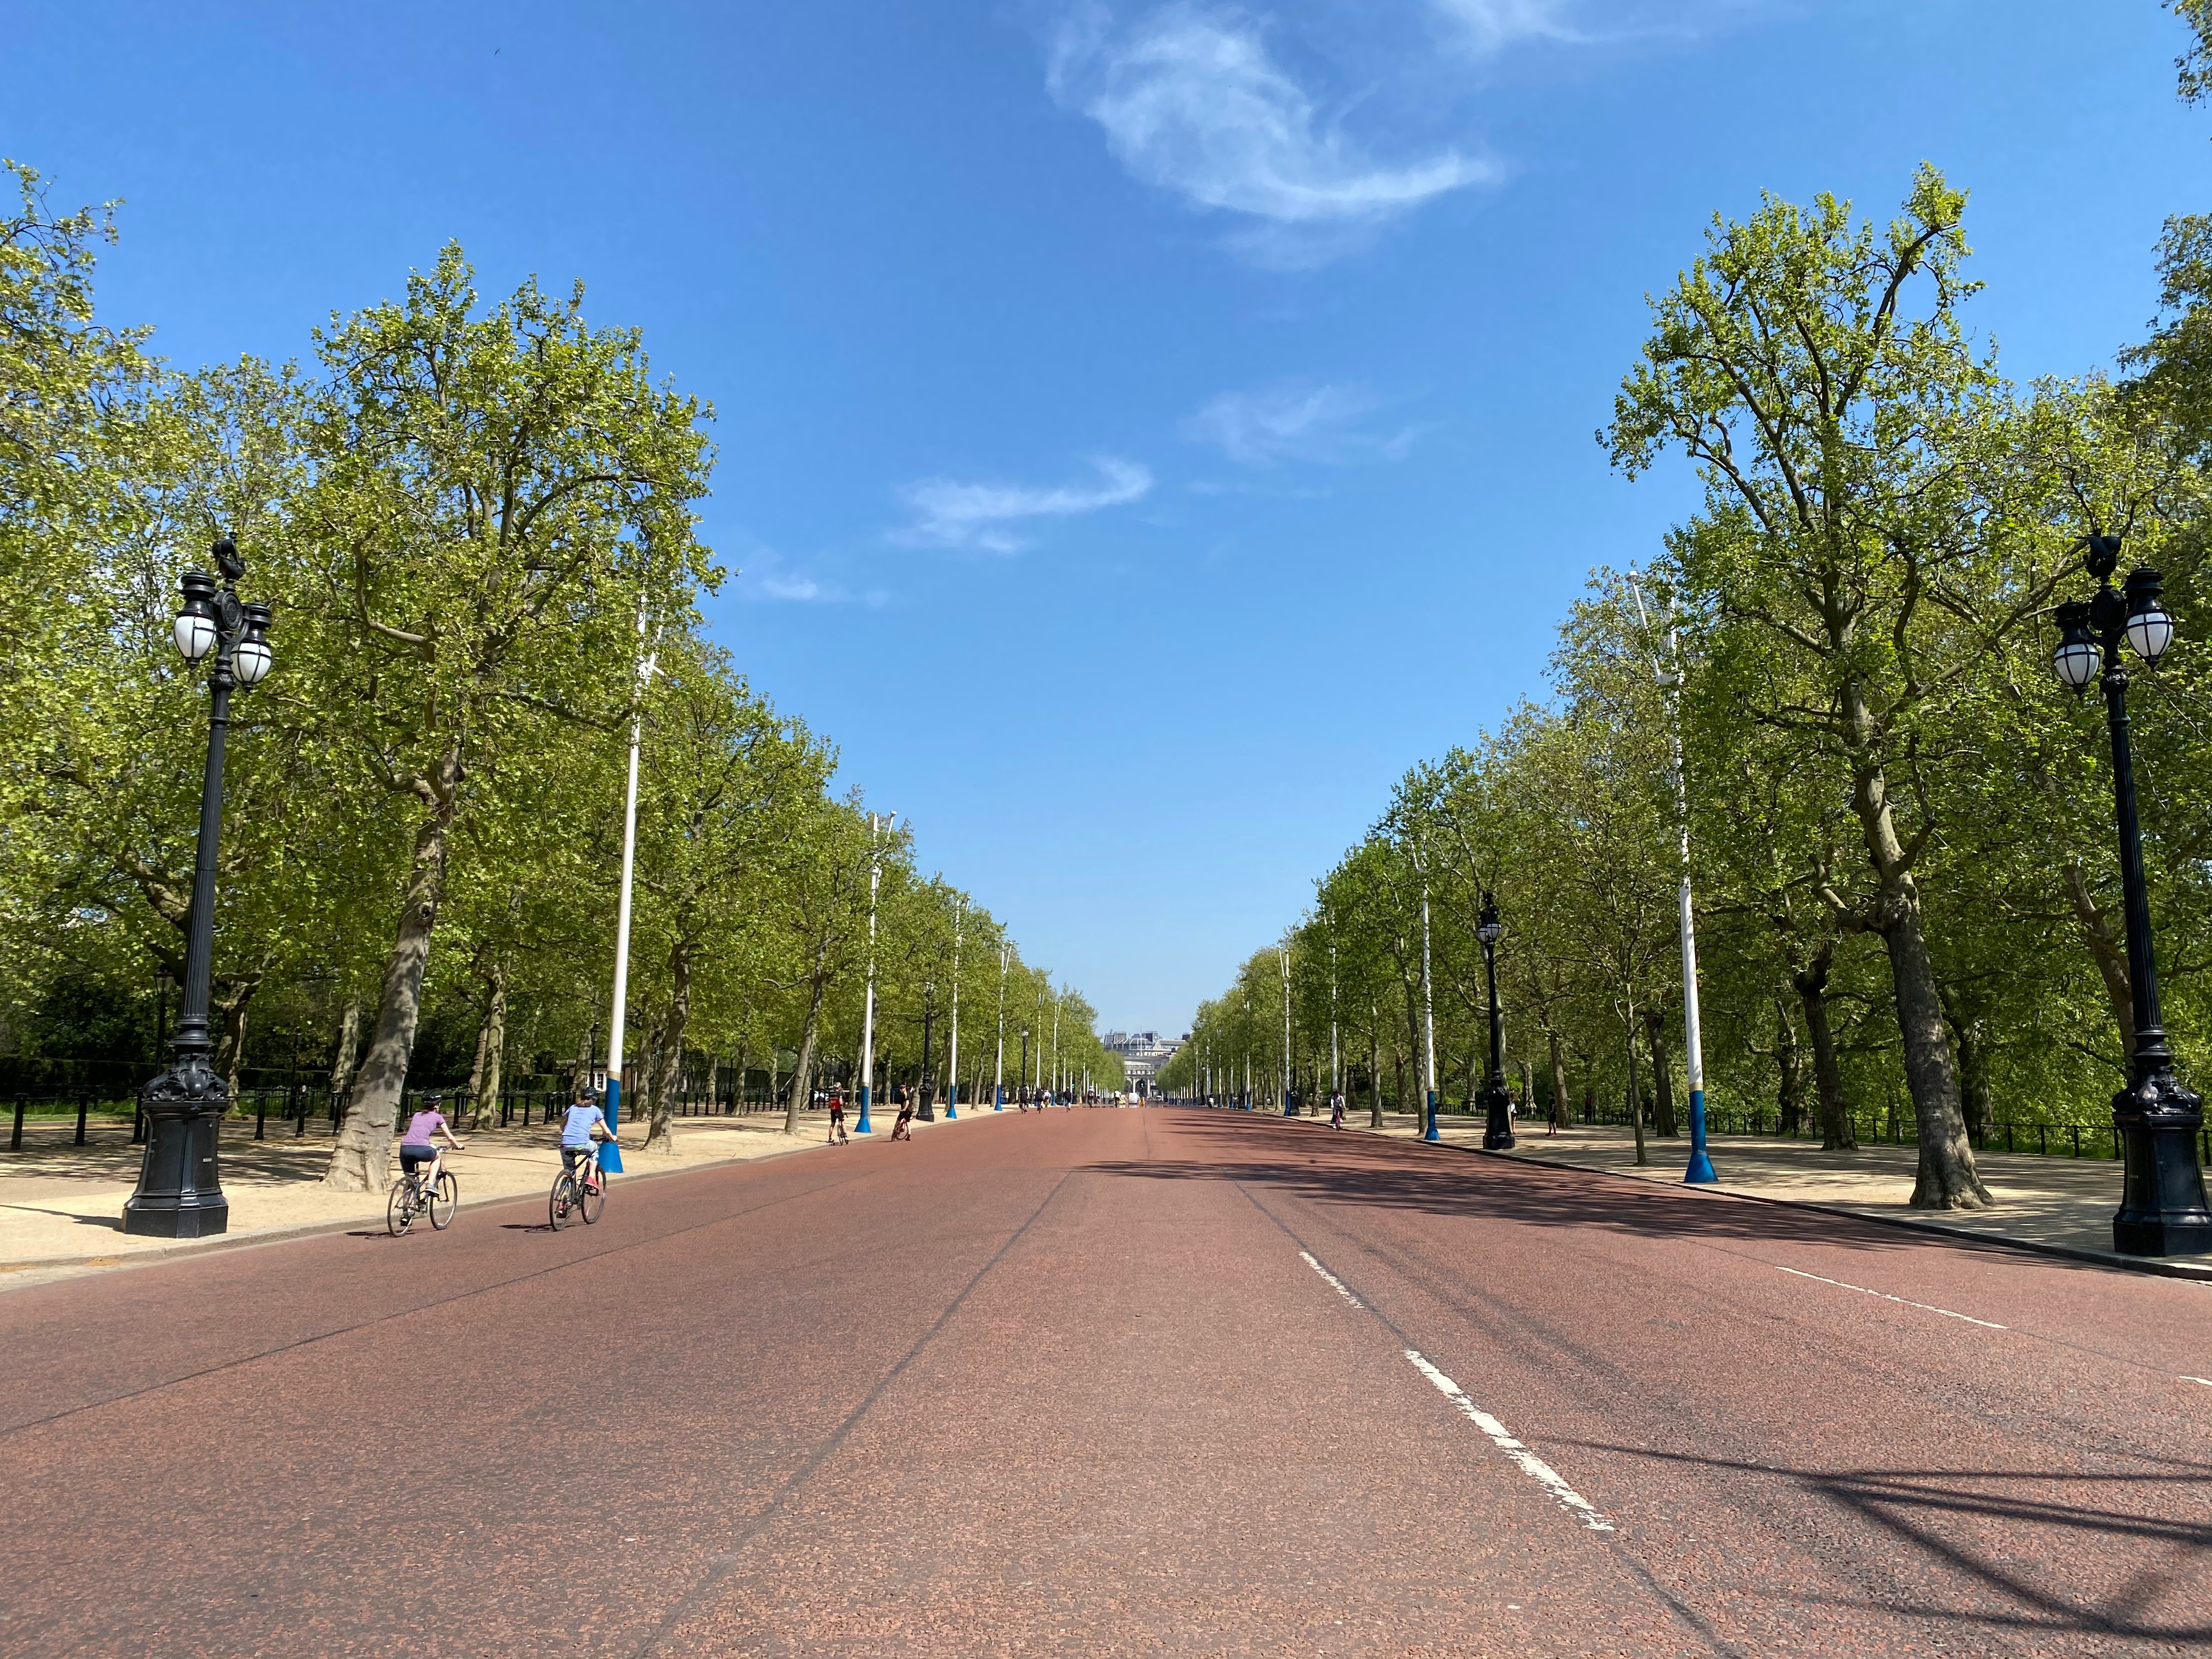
column 586, row 1123
column 837, row 1116
column 417, row 1146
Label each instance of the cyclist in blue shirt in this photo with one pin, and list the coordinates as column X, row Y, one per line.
column 587, row 1122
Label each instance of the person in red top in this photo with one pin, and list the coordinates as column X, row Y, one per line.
column 837, row 1117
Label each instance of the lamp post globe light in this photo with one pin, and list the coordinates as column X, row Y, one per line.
column 1497, row 1107
column 179, row 1190
column 2156, row 1117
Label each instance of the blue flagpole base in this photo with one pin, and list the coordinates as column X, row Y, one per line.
column 1700, row 1172
column 1431, row 1133
column 610, row 1154
column 862, row 1128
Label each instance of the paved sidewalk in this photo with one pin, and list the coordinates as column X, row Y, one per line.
column 2059, row 1202
column 61, row 1206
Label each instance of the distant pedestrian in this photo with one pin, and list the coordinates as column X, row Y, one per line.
column 837, row 1118
column 1336, row 1109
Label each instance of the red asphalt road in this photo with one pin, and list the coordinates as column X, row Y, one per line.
column 1068, row 1385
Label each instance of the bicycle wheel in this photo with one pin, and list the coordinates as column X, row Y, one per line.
column 562, row 1200
column 445, row 1199
column 400, row 1208
column 591, row 1198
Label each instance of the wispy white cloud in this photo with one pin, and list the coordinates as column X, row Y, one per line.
column 1192, row 101
column 951, row 514
column 1296, row 421
column 1493, row 25
column 765, row 574
column 1489, row 27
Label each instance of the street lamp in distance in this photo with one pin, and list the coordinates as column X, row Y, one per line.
column 1497, row 1106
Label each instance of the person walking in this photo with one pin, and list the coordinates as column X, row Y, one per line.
column 1336, row 1109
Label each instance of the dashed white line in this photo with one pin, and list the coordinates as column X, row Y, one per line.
column 1335, row 1284
column 1549, row 1478
column 1987, row 1325
column 2186, row 1378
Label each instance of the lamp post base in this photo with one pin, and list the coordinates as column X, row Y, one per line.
column 1700, row 1172
column 179, row 1191
column 1497, row 1118
column 2162, row 1208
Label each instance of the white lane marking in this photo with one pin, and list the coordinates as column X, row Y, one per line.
column 1549, row 1478
column 2186, row 1378
column 1985, row 1324
column 1335, row 1284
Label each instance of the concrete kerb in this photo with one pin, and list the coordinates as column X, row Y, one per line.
column 22, row 1275
column 2158, row 1266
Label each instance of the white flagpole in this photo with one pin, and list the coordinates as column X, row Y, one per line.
column 952, row 1071
column 610, row 1154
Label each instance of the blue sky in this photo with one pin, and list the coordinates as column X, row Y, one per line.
column 1145, row 430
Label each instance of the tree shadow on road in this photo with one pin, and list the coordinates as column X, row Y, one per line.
column 1327, row 1168
column 2025, row 1549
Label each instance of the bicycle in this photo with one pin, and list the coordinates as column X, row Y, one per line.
column 582, row 1191
column 412, row 1196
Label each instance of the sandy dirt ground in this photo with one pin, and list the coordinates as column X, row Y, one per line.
column 2055, row 1201
column 61, row 1206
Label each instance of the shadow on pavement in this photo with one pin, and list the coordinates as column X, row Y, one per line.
column 1345, row 1168
column 1910, row 1505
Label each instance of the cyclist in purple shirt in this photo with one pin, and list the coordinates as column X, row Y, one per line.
column 416, row 1147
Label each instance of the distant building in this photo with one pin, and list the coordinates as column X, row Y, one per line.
column 1143, row 1054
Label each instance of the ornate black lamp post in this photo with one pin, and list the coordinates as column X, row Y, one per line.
column 927, row 1109
column 1497, row 1105
column 179, row 1192
column 2156, row 1117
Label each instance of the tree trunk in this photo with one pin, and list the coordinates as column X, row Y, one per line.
column 230, row 1052
column 802, row 1070
column 349, row 1047
column 1811, row 982
column 1969, row 1031
column 1946, row 1179
column 662, row 1137
column 361, row 1162
column 1374, row 1075
column 1560, row 1109
column 486, row 1075
column 494, row 1076
column 1663, row 1074
column 2110, row 954
column 1790, row 1063
column 584, row 1045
